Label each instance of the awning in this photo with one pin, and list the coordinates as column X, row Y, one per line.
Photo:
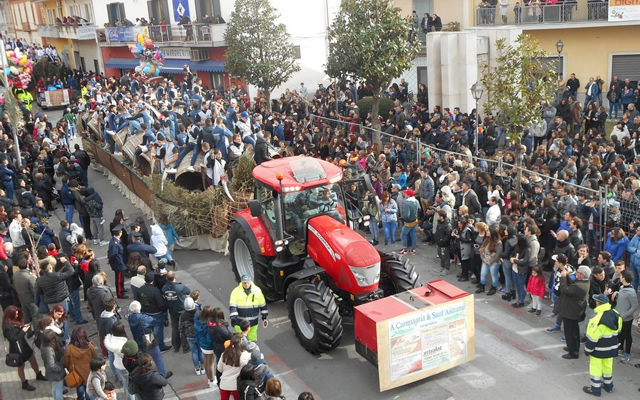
column 122, row 63
column 170, row 66
column 176, row 66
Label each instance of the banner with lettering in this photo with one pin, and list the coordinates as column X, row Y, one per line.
column 624, row 10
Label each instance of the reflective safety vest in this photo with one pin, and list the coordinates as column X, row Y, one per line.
column 25, row 98
column 247, row 306
column 602, row 332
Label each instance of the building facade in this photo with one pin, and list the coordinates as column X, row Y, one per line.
column 23, row 18
column 69, row 26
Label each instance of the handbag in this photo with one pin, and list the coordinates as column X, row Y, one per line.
column 73, row 379
column 14, row 359
column 149, row 340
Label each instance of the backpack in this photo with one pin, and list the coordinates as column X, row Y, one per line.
column 410, row 211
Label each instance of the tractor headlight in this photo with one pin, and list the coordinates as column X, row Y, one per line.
column 279, row 249
column 279, row 242
column 366, row 276
column 366, row 217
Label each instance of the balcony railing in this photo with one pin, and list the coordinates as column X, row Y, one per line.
column 192, row 34
column 544, row 14
column 77, row 32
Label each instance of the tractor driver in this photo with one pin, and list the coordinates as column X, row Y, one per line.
column 327, row 203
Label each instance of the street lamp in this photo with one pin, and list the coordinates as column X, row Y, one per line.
column 559, row 46
column 559, row 69
column 476, row 92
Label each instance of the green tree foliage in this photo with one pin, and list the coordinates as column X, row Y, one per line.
column 259, row 49
column 518, row 86
column 365, row 104
column 368, row 41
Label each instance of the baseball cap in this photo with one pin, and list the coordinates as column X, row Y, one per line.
column 408, row 192
column 601, row 297
column 244, row 114
column 561, row 258
column 245, row 278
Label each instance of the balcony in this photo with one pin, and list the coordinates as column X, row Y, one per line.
column 542, row 16
column 74, row 32
column 201, row 35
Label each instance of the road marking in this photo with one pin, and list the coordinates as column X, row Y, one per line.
column 471, row 375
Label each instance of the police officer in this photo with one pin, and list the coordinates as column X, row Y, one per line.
column 25, row 98
column 248, row 302
column 602, row 345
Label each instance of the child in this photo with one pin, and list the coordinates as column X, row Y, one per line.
column 195, row 295
column 110, row 390
column 52, row 250
column 187, row 330
column 97, row 379
column 536, row 288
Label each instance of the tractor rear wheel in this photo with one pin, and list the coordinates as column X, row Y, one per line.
column 397, row 275
column 245, row 261
column 315, row 316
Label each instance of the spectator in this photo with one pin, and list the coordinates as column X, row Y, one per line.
column 53, row 357
column 141, row 325
column 114, row 342
column 146, row 381
column 77, row 356
column 97, row 379
column 174, row 294
column 626, row 305
column 230, row 364
column 15, row 331
column 154, row 305
column 571, row 307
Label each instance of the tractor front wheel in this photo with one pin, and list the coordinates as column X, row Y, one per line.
column 245, row 261
column 397, row 275
column 315, row 316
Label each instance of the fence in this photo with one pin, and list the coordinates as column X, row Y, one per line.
column 545, row 14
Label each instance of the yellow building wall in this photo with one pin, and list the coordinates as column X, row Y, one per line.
column 60, row 44
column 405, row 5
column 588, row 51
column 451, row 11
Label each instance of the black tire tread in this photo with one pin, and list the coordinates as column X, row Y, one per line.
column 324, row 313
column 401, row 272
column 262, row 273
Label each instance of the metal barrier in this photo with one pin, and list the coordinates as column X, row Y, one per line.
column 124, row 173
column 581, row 10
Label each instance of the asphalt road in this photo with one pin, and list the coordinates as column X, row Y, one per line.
column 515, row 357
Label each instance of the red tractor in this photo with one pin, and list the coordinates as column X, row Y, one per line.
column 294, row 240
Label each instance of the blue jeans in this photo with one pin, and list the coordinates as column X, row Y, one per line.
column 615, row 107
column 56, row 390
column 373, row 228
column 159, row 323
column 484, row 271
column 72, row 130
column 154, row 352
column 389, row 231
column 81, row 392
column 74, row 306
column 408, row 236
column 635, row 268
column 249, row 140
column 193, row 147
column 123, row 377
column 112, row 358
column 507, row 271
column 196, row 353
column 68, row 213
column 520, row 281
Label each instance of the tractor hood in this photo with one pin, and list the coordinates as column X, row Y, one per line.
column 349, row 258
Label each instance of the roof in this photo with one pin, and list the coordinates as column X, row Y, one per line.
column 299, row 173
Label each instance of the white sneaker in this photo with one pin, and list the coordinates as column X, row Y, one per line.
column 171, row 170
column 103, row 243
column 190, row 168
column 212, row 384
column 197, row 370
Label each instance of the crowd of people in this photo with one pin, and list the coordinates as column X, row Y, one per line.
column 541, row 235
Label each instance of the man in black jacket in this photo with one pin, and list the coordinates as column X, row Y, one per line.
column 174, row 294
column 261, row 153
column 153, row 304
column 52, row 285
column 571, row 307
column 443, row 241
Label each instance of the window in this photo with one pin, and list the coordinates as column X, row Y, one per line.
column 296, row 50
column 556, row 63
column 216, row 79
column 422, row 6
column 422, row 75
column 115, row 11
column 626, row 66
column 207, row 8
column 51, row 16
column 96, row 67
column 158, row 11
